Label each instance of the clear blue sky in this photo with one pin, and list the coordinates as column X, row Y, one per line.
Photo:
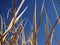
column 41, row 37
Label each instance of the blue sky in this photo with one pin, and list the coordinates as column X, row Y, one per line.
column 41, row 37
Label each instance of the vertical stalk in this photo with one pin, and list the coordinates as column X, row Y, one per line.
column 35, row 30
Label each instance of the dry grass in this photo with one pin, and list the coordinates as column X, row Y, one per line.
column 18, row 33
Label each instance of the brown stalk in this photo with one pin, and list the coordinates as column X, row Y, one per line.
column 14, row 37
column 35, row 29
column 46, row 28
column 52, row 29
column 19, row 38
column 47, row 34
column 39, row 21
column 0, row 30
column 14, row 2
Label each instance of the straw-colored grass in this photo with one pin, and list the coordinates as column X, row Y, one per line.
column 18, row 36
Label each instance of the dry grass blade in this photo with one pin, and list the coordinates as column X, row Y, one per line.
column 35, row 17
column 52, row 37
column 14, row 11
column 1, row 27
column 31, row 26
column 47, row 18
column 19, row 7
column 42, row 6
column 46, row 25
column 39, row 21
column 30, row 40
column 46, row 28
column 8, row 13
column 23, row 35
column 26, row 22
column 4, row 25
column 20, row 14
column 1, row 22
column 47, row 34
column 35, row 28
column 56, row 12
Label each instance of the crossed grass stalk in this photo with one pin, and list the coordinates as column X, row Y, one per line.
column 13, row 21
column 52, row 29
